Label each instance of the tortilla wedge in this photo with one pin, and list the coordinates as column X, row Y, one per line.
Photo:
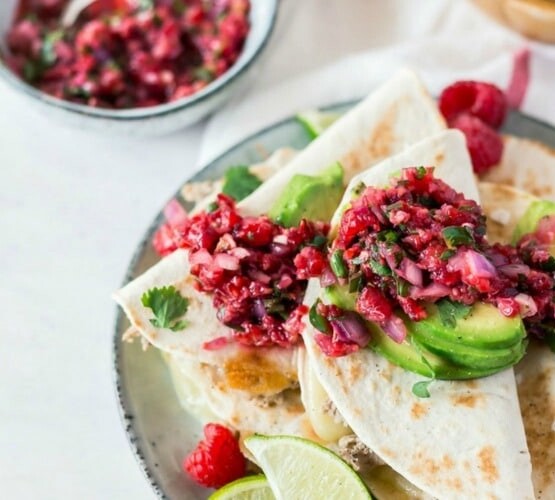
column 467, row 440
column 535, row 374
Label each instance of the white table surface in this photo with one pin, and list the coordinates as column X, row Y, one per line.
column 73, row 206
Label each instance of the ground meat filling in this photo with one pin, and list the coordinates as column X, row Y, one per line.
column 419, row 241
column 124, row 54
column 255, row 269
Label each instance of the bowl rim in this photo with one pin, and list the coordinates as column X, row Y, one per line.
column 160, row 110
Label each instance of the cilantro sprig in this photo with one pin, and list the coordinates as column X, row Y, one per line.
column 239, row 182
column 450, row 311
column 168, row 306
column 421, row 389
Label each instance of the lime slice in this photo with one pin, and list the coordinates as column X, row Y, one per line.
column 248, row 488
column 315, row 122
column 298, row 469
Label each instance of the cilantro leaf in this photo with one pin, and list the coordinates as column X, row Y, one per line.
column 48, row 54
column 239, row 182
column 420, row 389
column 168, row 306
column 450, row 311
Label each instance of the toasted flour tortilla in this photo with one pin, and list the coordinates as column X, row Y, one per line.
column 396, row 115
column 527, row 165
column 504, row 206
column 535, row 374
column 467, row 440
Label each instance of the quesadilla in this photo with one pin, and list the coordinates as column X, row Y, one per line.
column 423, row 439
column 381, row 125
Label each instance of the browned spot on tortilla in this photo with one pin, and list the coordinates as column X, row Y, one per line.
column 440, row 157
column 469, row 400
column 355, row 371
column 387, row 452
column 395, row 393
column 538, row 413
column 470, row 384
column 376, row 147
column 487, row 465
column 418, row 410
column 447, row 462
column 455, row 484
column 248, row 371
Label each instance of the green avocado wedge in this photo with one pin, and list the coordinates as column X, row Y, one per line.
column 484, row 328
column 528, row 223
column 309, row 197
column 418, row 359
column 467, row 356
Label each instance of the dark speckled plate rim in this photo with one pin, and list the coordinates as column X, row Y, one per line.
column 204, row 174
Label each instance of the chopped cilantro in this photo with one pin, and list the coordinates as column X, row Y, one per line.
column 388, row 235
column 420, row 389
column 355, row 284
column 48, row 50
column 420, row 172
column 204, row 74
column 239, row 182
column 319, row 241
column 457, row 235
column 447, row 254
column 317, row 320
column 212, row 206
column 338, row 264
column 31, row 70
column 380, row 269
column 450, row 311
column 358, row 189
column 168, row 306
column 145, row 4
column 403, row 287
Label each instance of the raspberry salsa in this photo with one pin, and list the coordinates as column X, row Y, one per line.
column 125, row 53
column 412, row 261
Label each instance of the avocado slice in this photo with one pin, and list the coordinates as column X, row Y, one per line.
column 528, row 223
column 484, row 328
column 339, row 296
column 468, row 356
column 309, row 197
column 418, row 359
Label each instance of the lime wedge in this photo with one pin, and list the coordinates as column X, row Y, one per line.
column 248, row 488
column 298, row 469
column 315, row 122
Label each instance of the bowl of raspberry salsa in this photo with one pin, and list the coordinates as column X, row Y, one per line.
column 147, row 67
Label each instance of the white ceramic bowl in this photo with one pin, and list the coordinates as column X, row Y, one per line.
column 155, row 120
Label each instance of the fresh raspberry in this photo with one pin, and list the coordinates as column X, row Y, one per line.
column 479, row 99
column 484, row 144
column 217, row 460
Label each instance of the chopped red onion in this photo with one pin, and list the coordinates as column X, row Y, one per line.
column 259, row 309
column 327, row 278
column 226, row 261
column 279, row 249
column 285, row 281
column 174, row 212
column 410, row 271
column 433, row 291
column 260, row 276
column 350, row 328
column 527, row 305
column 514, row 270
column 201, row 257
column 240, row 253
column 281, row 239
column 395, row 329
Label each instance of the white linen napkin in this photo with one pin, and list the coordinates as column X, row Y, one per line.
column 447, row 41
